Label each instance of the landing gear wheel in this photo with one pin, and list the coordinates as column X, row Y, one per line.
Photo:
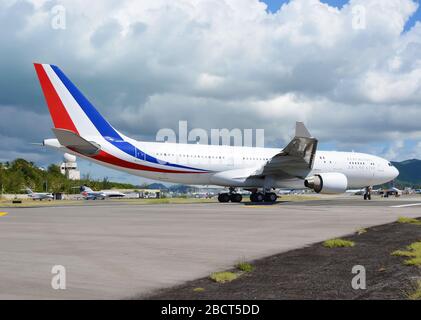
column 236, row 197
column 270, row 197
column 257, row 197
column 367, row 196
column 367, row 193
column 223, row 197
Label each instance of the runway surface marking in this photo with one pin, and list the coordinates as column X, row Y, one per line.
column 2, row 214
column 407, row 205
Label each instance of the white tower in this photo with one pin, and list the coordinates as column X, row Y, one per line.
column 69, row 167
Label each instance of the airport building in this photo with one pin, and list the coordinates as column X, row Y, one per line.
column 69, row 167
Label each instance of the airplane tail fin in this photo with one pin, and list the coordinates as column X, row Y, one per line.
column 69, row 108
column 85, row 189
column 28, row 190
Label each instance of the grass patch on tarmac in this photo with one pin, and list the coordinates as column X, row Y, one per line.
column 409, row 220
column 413, row 252
column 223, row 277
column 228, row 276
column 245, row 266
column 338, row 243
column 415, row 294
column 298, row 197
column 167, row 200
column 33, row 203
column 361, row 231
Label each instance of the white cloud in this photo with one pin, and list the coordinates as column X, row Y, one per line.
column 225, row 63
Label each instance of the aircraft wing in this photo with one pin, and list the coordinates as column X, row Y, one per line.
column 296, row 159
column 75, row 142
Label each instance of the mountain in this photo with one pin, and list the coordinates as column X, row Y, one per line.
column 409, row 172
column 159, row 186
column 181, row 188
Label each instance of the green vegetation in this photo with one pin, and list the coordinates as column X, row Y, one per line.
column 178, row 200
column 413, row 252
column 15, row 175
column 402, row 253
column 338, row 243
column 228, row 276
column 199, row 289
column 245, row 267
column 416, row 293
column 409, row 220
column 222, row 277
column 416, row 261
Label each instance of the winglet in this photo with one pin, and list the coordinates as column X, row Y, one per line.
column 301, row 130
column 302, row 148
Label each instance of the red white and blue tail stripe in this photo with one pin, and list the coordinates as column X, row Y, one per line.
column 70, row 110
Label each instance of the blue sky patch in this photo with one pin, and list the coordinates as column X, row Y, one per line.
column 274, row 5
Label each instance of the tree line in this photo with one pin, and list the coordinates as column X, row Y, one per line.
column 18, row 174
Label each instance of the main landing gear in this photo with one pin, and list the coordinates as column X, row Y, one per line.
column 255, row 196
column 230, row 196
column 263, row 197
column 367, row 193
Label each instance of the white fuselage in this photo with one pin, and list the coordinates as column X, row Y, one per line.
column 360, row 169
column 40, row 196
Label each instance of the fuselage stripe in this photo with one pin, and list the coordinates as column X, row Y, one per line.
column 110, row 159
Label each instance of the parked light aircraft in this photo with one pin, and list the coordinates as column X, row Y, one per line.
column 89, row 194
column 38, row 195
column 81, row 130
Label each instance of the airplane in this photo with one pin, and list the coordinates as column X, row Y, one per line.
column 38, row 195
column 81, row 130
column 385, row 193
column 89, row 194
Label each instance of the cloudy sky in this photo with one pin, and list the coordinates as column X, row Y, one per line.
column 351, row 70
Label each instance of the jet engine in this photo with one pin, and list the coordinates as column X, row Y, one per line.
column 329, row 183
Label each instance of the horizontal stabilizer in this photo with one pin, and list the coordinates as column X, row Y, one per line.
column 75, row 142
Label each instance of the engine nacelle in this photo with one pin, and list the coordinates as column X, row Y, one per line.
column 330, row 183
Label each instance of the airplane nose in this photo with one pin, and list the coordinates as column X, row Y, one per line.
column 395, row 172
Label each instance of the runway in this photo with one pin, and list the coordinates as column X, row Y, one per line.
column 357, row 202
column 121, row 251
